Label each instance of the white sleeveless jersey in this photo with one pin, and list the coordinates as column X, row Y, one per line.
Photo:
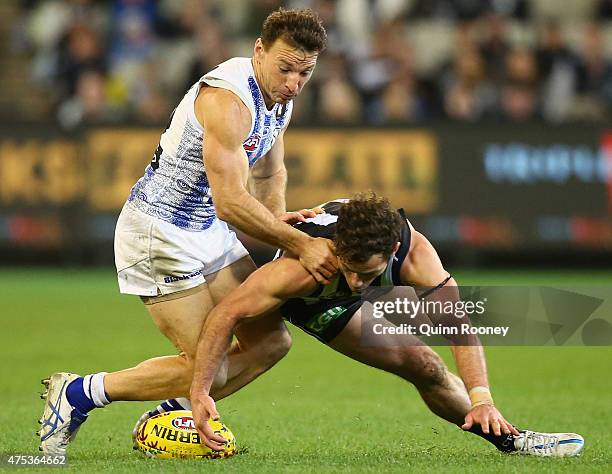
column 175, row 187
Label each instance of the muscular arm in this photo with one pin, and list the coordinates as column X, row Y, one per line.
column 227, row 122
column 265, row 290
column 422, row 267
column 268, row 179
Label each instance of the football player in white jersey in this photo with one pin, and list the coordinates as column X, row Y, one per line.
column 220, row 160
column 376, row 247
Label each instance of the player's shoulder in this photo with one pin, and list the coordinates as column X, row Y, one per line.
column 217, row 99
column 220, row 110
column 227, row 84
column 239, row 66
column 287, row 276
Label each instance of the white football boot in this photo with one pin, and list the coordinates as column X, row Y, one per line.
column 169, row 405
column 60, row 422
column 548, row 444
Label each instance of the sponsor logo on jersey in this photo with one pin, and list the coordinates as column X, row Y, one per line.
column 252, row 142
column 321, row 321
column 183, row 423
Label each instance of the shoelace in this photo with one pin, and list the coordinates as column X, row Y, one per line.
column 539, row 442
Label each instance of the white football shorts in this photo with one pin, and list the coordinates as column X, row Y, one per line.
column 154, row 257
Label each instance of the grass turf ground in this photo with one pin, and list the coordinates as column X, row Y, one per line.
column 315, row 411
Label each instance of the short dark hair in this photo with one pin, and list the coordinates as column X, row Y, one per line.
column 301, row 29
column 367, row 225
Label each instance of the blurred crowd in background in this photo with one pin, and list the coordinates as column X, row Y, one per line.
column 388, row 61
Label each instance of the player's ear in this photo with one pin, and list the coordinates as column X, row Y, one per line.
column 258, row 49
column 396, row 248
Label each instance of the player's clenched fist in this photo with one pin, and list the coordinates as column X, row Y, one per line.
column 203, row 408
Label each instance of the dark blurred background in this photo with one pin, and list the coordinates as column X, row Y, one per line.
column 488, row 121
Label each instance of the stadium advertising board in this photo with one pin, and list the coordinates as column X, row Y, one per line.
column 494, row 187
column 524, row 187
column 402, row 165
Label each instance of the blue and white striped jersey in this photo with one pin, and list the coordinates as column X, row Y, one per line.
column 175, row 187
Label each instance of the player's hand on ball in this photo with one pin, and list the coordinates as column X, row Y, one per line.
column 300, row 216
column 203, row 408
column 490, row 419
column 318, row 258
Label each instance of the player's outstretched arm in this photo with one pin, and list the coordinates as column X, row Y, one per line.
column 265, row 290
column 227, row 123
column 423, row 268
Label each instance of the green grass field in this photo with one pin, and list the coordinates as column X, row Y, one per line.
column 315, row 411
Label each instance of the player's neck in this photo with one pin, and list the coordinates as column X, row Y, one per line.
column 267, row 99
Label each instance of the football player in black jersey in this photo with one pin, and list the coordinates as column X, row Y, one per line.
column 375, row 246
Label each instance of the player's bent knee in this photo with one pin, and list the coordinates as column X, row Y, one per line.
column 188, row 361
column 430, row 371
column 187, row 365
column 276, row 346
column 283, row 343
column 185, row 376
column 423, row 367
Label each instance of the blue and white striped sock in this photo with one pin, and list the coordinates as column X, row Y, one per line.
column 87, row 393
column 171, row 405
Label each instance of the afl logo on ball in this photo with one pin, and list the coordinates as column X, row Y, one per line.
column 183, row 423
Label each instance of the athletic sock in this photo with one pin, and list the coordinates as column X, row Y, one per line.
column 504, row 443
column 87, row 393
column 173, row 404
